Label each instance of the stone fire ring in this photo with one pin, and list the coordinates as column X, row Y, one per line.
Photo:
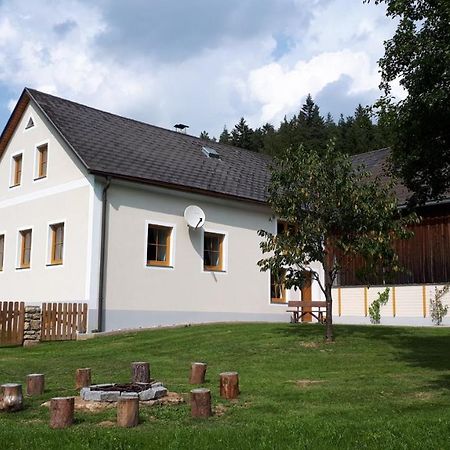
column 100, row 392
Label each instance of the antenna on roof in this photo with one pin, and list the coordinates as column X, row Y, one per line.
column 181, row 127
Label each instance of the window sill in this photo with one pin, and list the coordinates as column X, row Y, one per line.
column 207, row 269
column 14, row 186
column 40, row 178
column 23, row 268
column 54, row 264
column 275, row 301
column 159, row 266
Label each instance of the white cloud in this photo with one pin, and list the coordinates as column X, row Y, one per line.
column 279, row 89
column 54, row 46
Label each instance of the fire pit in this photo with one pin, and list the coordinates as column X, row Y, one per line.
column 111, row 392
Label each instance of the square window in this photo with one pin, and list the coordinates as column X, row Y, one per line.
column 158, row 245
column 57, row 243
column 25, row 249
column 213, row 251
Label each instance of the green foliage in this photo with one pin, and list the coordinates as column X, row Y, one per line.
column 418, row 56
column 369, row 373
column 205, row 136
column 375, row 306
column 354, row 134
column 242, row 135
column 437, row 309
column 329, row 205
column 225, row 136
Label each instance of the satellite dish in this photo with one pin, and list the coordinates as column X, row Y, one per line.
column 194, row 216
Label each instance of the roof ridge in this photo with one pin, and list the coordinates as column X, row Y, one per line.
column 182, row 135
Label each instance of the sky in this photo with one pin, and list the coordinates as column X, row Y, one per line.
column 205, row 63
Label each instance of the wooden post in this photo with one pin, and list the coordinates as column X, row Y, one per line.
column 83, row 378
column 229, row 385
column 201, row 402
column 198, row 372
column 61, row 412
column 11, row 398
column 128, row 411
column 35, row 384
column 140, row 372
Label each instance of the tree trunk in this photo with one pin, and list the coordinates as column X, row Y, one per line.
column 128, row 412
column 61, row 412
column 140, row 372
column 201, row 402
column 35, row 384
column 329, row 336
column 11, row 398
column 198, row 372
column 83, row 378
column 229, row 385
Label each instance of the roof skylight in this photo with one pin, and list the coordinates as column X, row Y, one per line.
column 210, row 152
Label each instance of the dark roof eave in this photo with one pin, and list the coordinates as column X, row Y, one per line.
column 178, row 187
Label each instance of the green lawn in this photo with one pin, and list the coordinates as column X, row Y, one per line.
column 380, row 387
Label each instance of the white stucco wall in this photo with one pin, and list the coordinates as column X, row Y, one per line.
column 407, row 304
column 66, row 195
column 137, row 295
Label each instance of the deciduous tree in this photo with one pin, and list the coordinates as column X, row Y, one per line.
column 418, row 56
column 328, row 204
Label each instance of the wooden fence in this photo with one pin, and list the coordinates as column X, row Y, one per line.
column 61, row 321
column 12, row 320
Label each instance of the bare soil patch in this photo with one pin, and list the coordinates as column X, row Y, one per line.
column 172, row 398
column 308, row 383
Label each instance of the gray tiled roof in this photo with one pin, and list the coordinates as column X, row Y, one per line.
column 117, row 146
column 376, row 162
column 113, row 145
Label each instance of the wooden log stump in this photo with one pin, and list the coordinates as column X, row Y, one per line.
column 83, row 378
column 140, row 372
column 229, row 385
column 128, row 411
column 61, row 412
column 198, row 372
column 201, row 402
column 35, row 384
column 11, row 398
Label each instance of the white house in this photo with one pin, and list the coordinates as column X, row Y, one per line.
column 91, row 209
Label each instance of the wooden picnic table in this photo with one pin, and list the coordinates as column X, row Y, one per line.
column 298, row 309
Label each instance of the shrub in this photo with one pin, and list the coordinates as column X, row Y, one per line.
column 437, row 309
column 375, row 306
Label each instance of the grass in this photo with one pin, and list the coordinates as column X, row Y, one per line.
column 376, row 387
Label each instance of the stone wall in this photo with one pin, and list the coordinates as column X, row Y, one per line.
column 32, row 328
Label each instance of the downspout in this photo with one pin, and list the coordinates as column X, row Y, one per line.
column 101, row 284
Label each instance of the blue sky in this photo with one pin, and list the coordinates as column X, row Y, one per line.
column 205, row 63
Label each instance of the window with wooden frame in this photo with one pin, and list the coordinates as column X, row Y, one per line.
column 277, row 287
column 158, row 245
column 17, row 170
column 213, row 251
column 57, row 243
column 25, row 249
column 42, row 158
column 2, row 250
